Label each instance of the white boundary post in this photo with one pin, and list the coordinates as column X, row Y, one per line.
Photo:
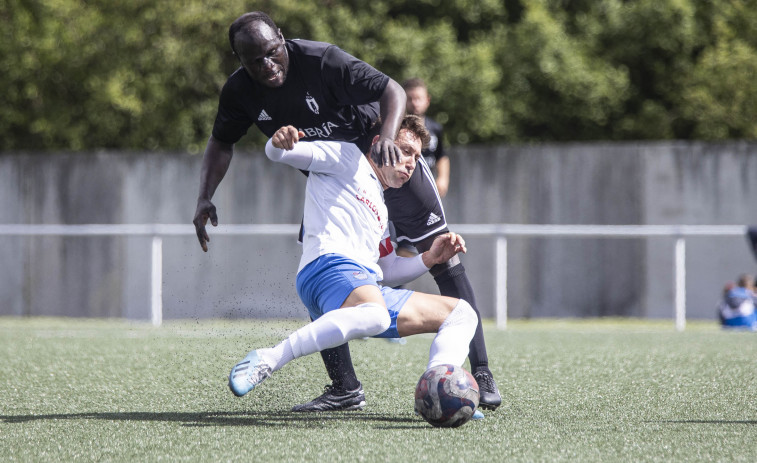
column 156, row 280
column 680, row 284
column 501, row 282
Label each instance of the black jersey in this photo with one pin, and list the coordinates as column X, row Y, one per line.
column 328, row 94
column 435, row 150
column 415, row 208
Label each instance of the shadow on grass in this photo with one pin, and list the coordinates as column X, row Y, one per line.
column 752, row 422
column 269, row 419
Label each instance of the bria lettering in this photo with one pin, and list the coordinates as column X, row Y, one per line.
column 324, row 131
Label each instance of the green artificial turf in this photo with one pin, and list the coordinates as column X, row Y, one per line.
column 600, row 390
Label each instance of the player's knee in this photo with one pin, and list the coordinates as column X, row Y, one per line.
column 464, row 314
column 376, row 319
column 462, row 319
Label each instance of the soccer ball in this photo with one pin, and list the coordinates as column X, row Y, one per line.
column 446, row 396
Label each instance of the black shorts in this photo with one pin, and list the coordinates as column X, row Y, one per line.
column 416, row 208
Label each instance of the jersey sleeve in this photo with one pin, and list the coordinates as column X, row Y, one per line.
column 334, row 157
column 400, row 270
column 232, row 120
column 299, row 157
column 350, row 80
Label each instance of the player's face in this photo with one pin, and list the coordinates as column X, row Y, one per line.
column 417, row 101
column 263, row 55
column 397, row 175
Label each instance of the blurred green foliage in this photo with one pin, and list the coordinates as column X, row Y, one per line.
column 142, row 74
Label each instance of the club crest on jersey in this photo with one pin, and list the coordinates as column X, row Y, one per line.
column 312, row 104
column 359, row 276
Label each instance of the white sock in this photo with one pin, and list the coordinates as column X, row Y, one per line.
column 278, row 355
column 450, row 346
column 332, row 329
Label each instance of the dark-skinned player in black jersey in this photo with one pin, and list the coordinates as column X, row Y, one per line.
column 328, row 95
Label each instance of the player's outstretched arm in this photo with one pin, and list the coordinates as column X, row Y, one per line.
column 215, row 164
column 401, row 270
column 283, row 147
column 392, row 108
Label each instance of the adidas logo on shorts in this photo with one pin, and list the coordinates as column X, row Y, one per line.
column 432, row 219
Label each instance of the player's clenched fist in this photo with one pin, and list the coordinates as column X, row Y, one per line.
column 286, row 137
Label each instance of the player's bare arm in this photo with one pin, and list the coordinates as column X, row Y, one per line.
column 215, row 163
column 392, row 108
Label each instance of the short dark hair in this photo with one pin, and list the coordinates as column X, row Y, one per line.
column 415, row 125
column 745, row 280
column 247, row 19
column 415, row 82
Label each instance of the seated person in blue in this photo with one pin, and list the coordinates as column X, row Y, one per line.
column 737, row 309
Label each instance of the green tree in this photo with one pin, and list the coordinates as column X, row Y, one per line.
column 146, row 75
column 555, row 86
column 720, row 94
column 100, row 74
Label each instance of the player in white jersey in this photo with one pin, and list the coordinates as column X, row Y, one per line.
column 347, row 252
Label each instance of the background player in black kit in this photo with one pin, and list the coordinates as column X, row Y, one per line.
column 327, row 94
column 418, row 101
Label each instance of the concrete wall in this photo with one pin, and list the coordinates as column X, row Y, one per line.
column 629, row 183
